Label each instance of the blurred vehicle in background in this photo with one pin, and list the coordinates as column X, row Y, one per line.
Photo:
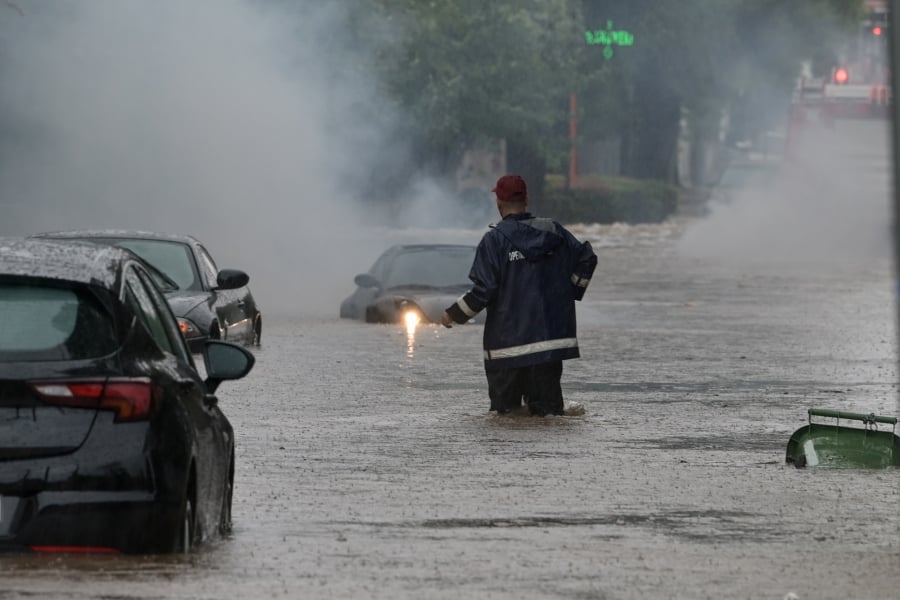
column 411, row 282
column 859, row 81
column 209, row 303
column 110, row 440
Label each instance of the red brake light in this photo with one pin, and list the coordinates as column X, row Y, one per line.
column 131, row 399
column 841, row 75
column 876, row 30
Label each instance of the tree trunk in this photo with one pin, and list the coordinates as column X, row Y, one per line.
column 523, row 159
column 653, row 137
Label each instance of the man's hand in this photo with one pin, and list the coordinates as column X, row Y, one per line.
column 446, row 321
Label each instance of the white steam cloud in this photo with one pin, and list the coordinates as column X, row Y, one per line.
column 826, row 202
column 223, row 119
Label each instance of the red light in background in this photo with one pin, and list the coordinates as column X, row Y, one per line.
column 876, row 30
column 841, row 76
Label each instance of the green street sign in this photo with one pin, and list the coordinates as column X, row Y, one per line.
column 608, row 38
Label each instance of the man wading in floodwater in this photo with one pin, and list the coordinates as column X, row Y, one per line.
column 528, row 272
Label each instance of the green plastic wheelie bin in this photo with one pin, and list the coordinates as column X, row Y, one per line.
column 838, row 445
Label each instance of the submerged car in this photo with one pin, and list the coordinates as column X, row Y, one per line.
column 411, row 281
column 110, row 439
column 209, row 303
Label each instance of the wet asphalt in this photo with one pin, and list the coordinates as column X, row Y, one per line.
column 369, row 467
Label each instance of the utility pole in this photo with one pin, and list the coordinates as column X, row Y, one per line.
column 573, row 137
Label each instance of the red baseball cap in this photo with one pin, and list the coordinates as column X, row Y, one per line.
column 510, row 187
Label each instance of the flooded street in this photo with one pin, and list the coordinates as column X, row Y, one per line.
column 299, row 140
column 368, row 465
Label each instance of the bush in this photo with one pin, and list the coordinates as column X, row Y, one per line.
column 615, row 200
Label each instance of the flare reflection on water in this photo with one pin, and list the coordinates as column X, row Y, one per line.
column 411, row 318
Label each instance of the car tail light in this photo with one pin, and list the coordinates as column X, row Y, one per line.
column 131, row 399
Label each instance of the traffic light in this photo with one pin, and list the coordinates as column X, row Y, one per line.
column 841, row 75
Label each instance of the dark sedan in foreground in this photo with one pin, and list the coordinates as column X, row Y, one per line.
column 415, row 281
column 110, row 439
column 209, row 303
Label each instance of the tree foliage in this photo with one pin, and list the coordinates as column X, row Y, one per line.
column 461, row 71
column 703, row 59
column 458, row 72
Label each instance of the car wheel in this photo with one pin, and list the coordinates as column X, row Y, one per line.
column 225, row 518
column 187, row 531
column 257, row 330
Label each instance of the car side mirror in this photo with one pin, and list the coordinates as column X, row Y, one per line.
column 364, row 280
column 231, row 279
column 225, row 361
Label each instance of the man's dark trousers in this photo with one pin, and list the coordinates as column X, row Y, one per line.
column 538, row 384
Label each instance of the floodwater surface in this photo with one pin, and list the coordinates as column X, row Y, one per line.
column 369, row 467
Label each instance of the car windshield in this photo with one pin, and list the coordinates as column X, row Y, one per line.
column 432, row 267
column 41, row 323
column 173, row 259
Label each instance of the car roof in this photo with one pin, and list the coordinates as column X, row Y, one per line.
column 121, row 233
column 64, row 260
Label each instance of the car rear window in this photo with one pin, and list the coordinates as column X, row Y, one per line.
column 47, row 323
column 172, row 258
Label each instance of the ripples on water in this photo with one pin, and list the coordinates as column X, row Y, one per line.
column 368, row 465
column 615, row 235
column 622, row 235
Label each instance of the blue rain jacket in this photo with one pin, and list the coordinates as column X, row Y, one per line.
column 528, row 272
